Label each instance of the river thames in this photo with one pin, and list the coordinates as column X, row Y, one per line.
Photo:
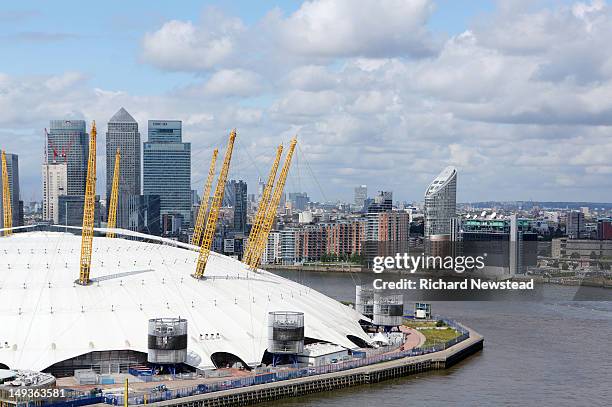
column 546, row 350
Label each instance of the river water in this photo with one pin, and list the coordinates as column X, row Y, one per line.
column 553, row 351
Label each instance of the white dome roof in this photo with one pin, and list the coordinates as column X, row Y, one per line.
column 46, row 318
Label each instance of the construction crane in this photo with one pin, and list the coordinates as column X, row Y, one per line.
column 262, row 239
column 112, row 209
column 89, row 210
column 6, row 198
column 199, row 227
column 263, row 207
column 213, row 216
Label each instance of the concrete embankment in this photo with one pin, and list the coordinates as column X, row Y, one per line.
column 337, row 380
column 335, row 268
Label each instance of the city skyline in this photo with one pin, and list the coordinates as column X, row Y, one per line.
column 428, row 87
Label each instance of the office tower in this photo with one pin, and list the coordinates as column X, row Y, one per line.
column 143, row 214
column 55, row 184
column 167, row 170
column 229, row 200
column 299, row 200
column 574, row 226
column 510, row 244
column 70, row 210
column 239, row 197
column 260, row 188
column 12, row 166
column 361, row 194
column 68, row 142
column 122, row 134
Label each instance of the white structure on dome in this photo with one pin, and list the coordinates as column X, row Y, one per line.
column 46, row 318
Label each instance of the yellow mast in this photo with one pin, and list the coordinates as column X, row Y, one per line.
column 213, row 216
column 112, row 210
column 89, row 210
column 6, row 198
column 199, row 227
column 262, row 239
column 263, row 207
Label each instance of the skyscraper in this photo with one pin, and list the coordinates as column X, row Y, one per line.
column 441, row 205
column 12, row 166
column 299, row 200
column 575, row 228
column 167, row 168
column 68, row 142
column 361, row 194
column 123, row 134
column 55, row 184
column 239, row 194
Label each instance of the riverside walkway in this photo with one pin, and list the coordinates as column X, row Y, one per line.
column 329, row 381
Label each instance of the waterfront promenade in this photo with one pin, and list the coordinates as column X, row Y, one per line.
column 335, row 380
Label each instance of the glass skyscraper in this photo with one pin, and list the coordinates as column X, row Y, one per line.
column 167, row 168
column 441, row 205
column 68, row 142
column 123, row 133
column 238, row 192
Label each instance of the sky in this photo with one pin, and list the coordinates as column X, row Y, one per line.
column 516, row 94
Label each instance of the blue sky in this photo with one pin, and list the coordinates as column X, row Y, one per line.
column 385, row 93
column 43, row 38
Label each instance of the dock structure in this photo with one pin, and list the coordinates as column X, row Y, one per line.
column 336, row 380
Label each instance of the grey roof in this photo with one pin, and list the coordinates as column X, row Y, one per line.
column 122, row 116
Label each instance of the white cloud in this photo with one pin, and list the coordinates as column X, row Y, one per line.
column 184, row 46
column 310, row 78
column 233, row 82
column 370, row 28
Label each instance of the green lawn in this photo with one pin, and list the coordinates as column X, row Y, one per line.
column 434, row 336
column 418, row 324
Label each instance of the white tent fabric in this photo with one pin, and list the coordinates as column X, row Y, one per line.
column 380, row 338
column 46, row 318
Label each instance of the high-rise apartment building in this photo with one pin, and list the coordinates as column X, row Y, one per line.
column 68, row 142
column 441, row 205
column 272, row 250
column 167, row 169
column 122, row 134
column 55, row 184
column 346, row 238
column 12, row 166
column 361, row 194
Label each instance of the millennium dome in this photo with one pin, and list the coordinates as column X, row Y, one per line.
column 50, row 323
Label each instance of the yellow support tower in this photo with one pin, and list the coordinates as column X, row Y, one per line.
column 6, row 198
column 262, row 239
column 112, row 209
column 88, row 212
column 263, row 207
column 199, row 227
column 213, row 216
